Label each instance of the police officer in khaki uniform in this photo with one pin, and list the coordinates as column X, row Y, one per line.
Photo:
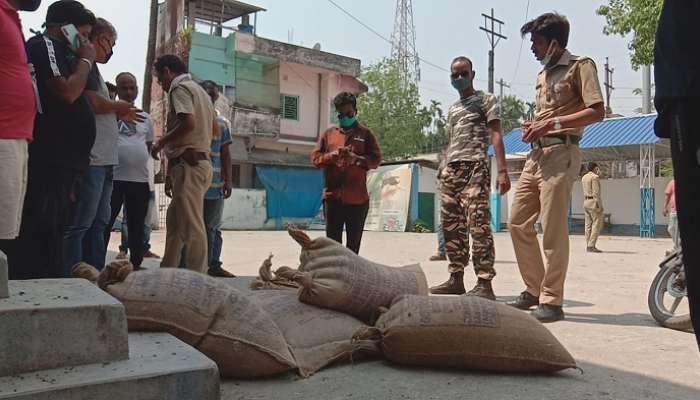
column 473, row 123
column 568, row 99
column 592, row 206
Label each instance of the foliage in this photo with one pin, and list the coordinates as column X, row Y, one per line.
column 421, row 227
column 513, row 113
column 666, row 168
column 392, row 110
column 638, row 17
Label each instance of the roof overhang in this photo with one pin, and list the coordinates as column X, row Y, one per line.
column 222, row 10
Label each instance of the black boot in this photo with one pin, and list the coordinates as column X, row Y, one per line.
column 483, row 289
column 548, row 313
column 524, row 302
column 455, row 285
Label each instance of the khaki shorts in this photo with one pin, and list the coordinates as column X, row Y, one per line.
column 13, row 185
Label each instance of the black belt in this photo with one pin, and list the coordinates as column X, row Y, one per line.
column 189, row 157
column 553, row 140
column 590, row 197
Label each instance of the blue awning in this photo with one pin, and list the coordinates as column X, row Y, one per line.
column 614, row 132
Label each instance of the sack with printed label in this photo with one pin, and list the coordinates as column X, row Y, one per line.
column 466, row 332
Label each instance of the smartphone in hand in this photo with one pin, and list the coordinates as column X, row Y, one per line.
column 75, row 40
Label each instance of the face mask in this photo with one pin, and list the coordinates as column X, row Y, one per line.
column 346, row 121
column 108, row 54
column 548, row 56
column 29, row 5
column 462, row 83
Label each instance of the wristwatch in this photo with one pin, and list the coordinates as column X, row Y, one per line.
column 557, row 124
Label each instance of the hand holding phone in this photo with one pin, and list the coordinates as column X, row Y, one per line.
column 78, row 43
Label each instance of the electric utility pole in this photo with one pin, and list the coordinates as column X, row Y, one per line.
column 494, row 37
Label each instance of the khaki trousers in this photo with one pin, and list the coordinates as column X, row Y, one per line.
column 544, row 191
column 594, row 223
column 185, row 217
column 13, row 185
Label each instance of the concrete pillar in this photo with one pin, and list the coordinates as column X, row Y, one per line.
column 4, row 291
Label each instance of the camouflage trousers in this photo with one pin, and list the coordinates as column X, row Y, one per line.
column 466, row 211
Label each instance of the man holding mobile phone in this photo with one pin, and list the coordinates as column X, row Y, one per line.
column 64, row 133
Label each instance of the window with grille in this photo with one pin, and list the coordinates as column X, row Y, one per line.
column 289, row 107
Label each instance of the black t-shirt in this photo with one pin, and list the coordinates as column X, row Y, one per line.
column 63, row 133
column 677, row 52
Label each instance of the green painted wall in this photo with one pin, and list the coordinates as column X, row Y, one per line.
column 426, row 209
column 214, row 58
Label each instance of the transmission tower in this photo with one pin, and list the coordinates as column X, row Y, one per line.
column 403, row 42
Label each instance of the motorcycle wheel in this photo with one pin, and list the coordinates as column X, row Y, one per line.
column 680, row 323
column 658, row 291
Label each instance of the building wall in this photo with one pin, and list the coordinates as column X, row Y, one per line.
column 245, row 210
column 301, row 81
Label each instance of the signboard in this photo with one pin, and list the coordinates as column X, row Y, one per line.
column 389, row 198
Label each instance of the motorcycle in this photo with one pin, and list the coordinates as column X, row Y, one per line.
column 667, row 299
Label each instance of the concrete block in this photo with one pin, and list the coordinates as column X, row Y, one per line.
column 160, row 368
column 57, row 323
column 4, row 291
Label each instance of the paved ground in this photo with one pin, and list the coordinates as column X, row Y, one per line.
column 623, row 353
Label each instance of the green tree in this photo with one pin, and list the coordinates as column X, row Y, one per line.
column 513, row 113
column 392, row 109
column 638, row 17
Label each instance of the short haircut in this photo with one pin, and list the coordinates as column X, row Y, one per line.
column 123, row 74
column 103, row 26
column 463, row 59
column 172, row 62
column 345, row 98
column 69, row 12
column 592, row 166
column 553, row 26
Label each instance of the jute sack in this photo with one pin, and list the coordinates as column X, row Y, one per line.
column 466, row 332
column 220, row 321
column 316, row 337
column 334, row 277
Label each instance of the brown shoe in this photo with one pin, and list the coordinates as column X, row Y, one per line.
column 593, row 250
column 122, row 255
column 483, row 289
column 524, row 302
column 438, row 257
column 455, row 285
column 220, row 273
column 150, row 254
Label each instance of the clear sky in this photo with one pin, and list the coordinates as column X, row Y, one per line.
column 444, row 29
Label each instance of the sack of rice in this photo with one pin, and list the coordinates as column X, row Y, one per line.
column 220, row 321
column 331, row 276
column 468, row 333
column 317, row 337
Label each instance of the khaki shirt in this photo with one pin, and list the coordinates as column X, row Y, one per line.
column 591, row 191
column 567, row 87
column 189, row 98
column 467, row 129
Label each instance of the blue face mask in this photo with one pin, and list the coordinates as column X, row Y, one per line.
column 462, row 83
column 345, row 121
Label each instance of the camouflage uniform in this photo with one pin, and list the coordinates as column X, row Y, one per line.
column 466, row 184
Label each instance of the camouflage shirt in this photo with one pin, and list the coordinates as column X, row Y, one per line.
column 466, row 127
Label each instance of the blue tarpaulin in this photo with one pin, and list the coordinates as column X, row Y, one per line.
column 291, row 192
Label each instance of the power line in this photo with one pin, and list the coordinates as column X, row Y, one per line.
column 379, row 35
column 522, row 41
column 493, row 37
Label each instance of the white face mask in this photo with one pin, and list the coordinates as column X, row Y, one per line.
column 548, row 56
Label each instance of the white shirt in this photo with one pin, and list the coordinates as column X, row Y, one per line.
column 135, row 164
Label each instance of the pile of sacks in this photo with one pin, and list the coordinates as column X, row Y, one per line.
column 334, row 306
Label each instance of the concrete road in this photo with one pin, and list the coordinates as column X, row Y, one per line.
column 623, row 353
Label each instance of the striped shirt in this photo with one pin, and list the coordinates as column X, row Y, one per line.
column 216, row 191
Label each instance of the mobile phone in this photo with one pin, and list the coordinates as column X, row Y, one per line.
column 70, row 32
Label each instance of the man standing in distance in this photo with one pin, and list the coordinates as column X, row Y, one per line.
column 132, row 173
column 187, row 143
column 568, row 99
column 592, row 206
column 219, row 190
column 473, row 123
column 670, row 211
column 84, row 237
column 677, row 72
column 346, row 152
column 17, row 112
column 64, row 133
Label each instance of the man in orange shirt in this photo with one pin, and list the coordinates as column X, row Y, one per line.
column 346, row 152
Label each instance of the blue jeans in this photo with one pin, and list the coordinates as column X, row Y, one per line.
column 84, row 238
column 441, row 238
column 213, row 213
column 124, row 246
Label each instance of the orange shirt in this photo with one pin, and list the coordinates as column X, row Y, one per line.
column 347, row 182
